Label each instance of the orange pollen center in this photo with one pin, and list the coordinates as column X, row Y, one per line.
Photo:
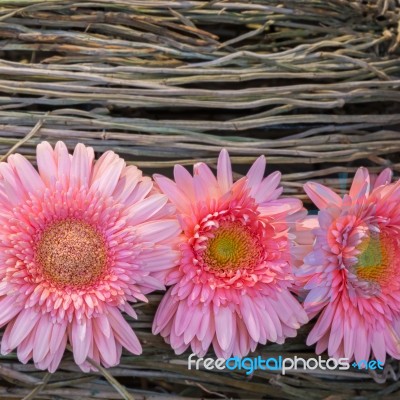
column 232, row 247
column 376, row 260
column 72, row 253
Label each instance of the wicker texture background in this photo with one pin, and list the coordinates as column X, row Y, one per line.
column 313, row 85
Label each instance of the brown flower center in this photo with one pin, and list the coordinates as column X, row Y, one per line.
column 72, row 253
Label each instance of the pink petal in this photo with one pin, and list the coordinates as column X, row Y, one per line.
column 106, row 344
column 194, row 325
column 267, row 187
column 224, row 171
column 349, row 341
column 336, row 336
column 107, row 182
column 8, row 309
column 322, row 325
column 123, row 332
column 145, row 209
column 322, row 196
column 174, row 193
column 256, row 174
column 184, row 180
column 56, row 359
column 80, row 166
column 129, row 179
column 361, row 184
column 378, row 346
column 59, row 331
column 384, row 178
column 81, row 336
column 204, row 174
column 46, row 163
column 250, row 318
column 165, row 311
column 157, row 231
column 42, row 339
column 28, row 176
column 103, row 164
column 280, row 208
column 224, row 321
column 63, row 162
column 140, row 191
column 14, row 192
column 23, row 326
column 204, row 326
column 363, row 347
column 182, row 318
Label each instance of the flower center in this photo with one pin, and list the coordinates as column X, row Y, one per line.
column 232, row 247
column 72, row 253
column 376, row 261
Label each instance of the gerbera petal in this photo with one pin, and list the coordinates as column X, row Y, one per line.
column 322, row 196
column 123, row 332
column 58, row 334
column 255, row 174
column 384, row 178
column 140, row 191
column 103, row 164
column 129, row 179
column 204, row 174
column 42, row 339
column 57, row 356
column 267, row 187
column 24, row 324
column 107, row 344
column 46, row 163
column 194, row 325
column 145, row 209
column 158, row 231
column 361, row 184
column 80, row 166
column 8, row 309
column 184, row 179
column 107, row 182
column 280, row 208
column 28, row 176
column 250, row 319
column 182, row 318
column 80, row 337
column 63, row 161
column 25, row 348
column 224, row 327
column 224, row 171
column 378, row 345
column 175, row 195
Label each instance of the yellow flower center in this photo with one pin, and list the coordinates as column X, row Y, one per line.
column 72, row 253
column 233, row 247
column 375, row 261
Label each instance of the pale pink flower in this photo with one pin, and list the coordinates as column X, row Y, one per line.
column 353, row 272
column 78, row 241
column 231, row 289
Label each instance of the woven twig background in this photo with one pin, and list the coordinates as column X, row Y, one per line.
column 313, row 85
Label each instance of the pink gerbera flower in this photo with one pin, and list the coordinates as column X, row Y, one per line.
column 78, row 241
column 353, row 272
column 232, row 286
